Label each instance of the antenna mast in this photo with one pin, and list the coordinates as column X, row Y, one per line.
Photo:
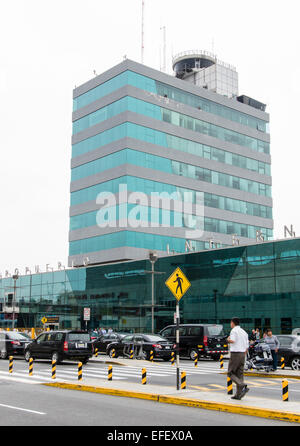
column 164, row 64
column 142, row 49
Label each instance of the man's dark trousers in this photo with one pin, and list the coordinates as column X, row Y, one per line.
column 236, row 370
column 275, row 359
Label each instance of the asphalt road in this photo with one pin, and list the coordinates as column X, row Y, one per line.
column 205, row 377
column 36, row 405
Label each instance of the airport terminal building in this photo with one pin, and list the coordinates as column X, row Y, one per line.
column 259, row 283
column 179, row 165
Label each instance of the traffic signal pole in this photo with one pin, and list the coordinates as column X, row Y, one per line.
column 177, row 346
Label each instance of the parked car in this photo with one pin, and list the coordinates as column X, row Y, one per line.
column 93, row 335
column 102, row 342
column 205, row 340
column 160, row 346
column 12, row 343
column 59, row 345
column 290, row 350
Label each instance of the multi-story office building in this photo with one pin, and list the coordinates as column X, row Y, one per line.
column 161, row 163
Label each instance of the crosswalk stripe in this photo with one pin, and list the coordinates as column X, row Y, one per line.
column 29, row 379
column 130, row 373
column 104, row 373
column 66, row 374
column 173, row 369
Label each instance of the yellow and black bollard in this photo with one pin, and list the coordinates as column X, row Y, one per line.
column 229, row 386
column 131, row 354
column 96, row 352
column 183, row 380
column 196, row 360
column 79, row 371
column 109, row 373
column 282, row 364
column 30, row 366
column 11, row 364
column 172, row 358
column 53, row 369
column 144, row 376
column 113, row 353
column 221, row 362
column 285, row 390
column 151, row 356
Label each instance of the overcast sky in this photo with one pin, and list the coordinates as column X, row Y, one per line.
column 48, row 47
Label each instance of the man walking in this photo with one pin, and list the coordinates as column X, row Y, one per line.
column 239, row 344
column 274, row 345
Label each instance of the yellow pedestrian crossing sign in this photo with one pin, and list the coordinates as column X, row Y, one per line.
column 44, row 320
column 178, row 283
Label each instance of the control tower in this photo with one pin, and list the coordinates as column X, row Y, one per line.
column 205, row 70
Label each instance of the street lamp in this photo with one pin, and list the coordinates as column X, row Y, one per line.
column 15, row 278
column 152, row 257
column 215, row 297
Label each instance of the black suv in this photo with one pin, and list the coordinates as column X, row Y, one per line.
column 289, row 349
column 206, row 340
column 59, row 345
column 12, row 343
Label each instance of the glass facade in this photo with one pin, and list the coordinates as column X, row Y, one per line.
column 171, row 117
column 174, row 142
column 258, row 283
column 147, row 160
column 165, row 90
column 160, row 242
column 86, row 219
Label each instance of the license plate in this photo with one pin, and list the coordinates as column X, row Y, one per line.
column 167, row 347
column 80, row 345
column 218, row 345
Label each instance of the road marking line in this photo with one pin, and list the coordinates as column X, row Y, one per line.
column 205, row 389
column 265, row 381
column 217, row 386
column 24, row 410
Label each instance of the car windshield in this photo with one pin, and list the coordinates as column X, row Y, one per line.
column 215, row 330
column 16, row 336
column 155, row 338
column 85, row 337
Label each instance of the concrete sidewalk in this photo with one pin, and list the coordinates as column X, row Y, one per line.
column 219, row 401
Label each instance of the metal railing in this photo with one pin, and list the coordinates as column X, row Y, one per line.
column 202, row 53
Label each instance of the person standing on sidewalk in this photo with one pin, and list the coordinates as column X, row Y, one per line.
column 257, row 334
column 239, row 344
column 274, row 345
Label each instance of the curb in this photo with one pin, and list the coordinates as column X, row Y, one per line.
column 271, row 375
column 190, row 402
column 267, row 375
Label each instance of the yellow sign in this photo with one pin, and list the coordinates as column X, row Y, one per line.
column 178, row 284
column 44, row 320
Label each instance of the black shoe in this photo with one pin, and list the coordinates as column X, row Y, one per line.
column 244, row 391
column 236, row 397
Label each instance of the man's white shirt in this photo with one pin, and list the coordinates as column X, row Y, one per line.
column 240, row 338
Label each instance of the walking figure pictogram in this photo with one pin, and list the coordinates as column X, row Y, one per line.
column 179, row 281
